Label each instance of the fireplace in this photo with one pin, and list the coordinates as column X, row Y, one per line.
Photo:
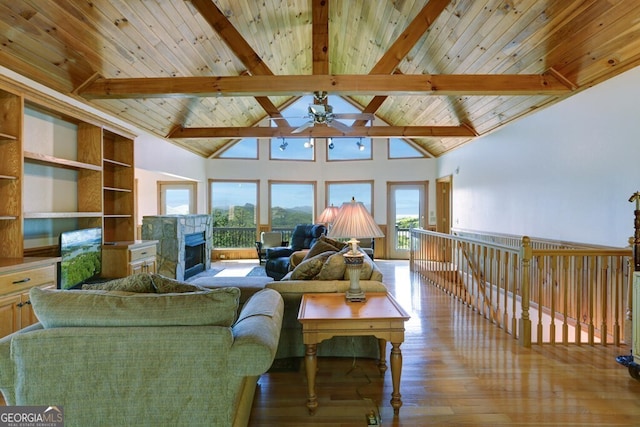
column 194, row 254
column 184, row 243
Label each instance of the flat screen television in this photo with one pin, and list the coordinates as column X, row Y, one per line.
column 81, row 257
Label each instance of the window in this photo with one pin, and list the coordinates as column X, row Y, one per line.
column 246, row 148
column 348, row 149
column 341, row 192
column 177, row 197
column 401, row 149
column 292, row 149
column 291, row 203
column 234, row 207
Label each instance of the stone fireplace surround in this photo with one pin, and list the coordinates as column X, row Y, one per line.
column 170, row 232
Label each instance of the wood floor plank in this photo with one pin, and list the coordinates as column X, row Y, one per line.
column 458, row 369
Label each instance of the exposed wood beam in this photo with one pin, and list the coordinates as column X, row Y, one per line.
column 232, row 37
column 409, row 37
column 395, row 84
column 324, row 132
column 241, row 49
column 270, row 108
column 401, row 47
column 320, row 36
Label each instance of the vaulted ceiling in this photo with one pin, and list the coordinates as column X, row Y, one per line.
column 204, row 73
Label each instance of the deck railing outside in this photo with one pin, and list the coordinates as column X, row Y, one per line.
column 538, row 291
column 237, row 237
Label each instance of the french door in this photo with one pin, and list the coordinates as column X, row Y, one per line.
column 406, row 210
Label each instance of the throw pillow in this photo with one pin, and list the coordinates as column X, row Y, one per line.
column 141, row 283
column 319, row 247
column 333, row 268
column 59, row 308
column 309, row 268
column 333, row 242
column 165, row 285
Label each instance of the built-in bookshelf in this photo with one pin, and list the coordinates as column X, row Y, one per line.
column 60, row 172
column 11, row 106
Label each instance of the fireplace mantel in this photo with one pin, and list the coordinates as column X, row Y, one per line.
column 170, row 232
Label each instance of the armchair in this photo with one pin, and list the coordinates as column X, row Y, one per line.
column 269, row 239
column 302, row 238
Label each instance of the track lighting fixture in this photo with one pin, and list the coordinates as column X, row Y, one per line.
column 360, row 145
column 284, row 145
column 309, row 143
column 330, row 140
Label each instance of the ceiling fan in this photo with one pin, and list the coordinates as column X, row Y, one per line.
column 321, row 113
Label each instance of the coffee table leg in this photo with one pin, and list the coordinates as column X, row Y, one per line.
column 382, row 363
column 311, row 364
column 396, row 372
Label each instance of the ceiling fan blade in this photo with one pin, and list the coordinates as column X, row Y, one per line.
column 354, row 116
column 339, row 125
column 303, row 127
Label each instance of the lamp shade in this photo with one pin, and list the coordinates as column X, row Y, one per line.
column 354, row 221
column 328, row 215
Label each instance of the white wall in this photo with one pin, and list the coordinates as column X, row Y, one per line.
column 379, row 169
column 564, row 173
column 156, row 160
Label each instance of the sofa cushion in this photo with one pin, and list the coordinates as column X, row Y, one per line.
column 365, row 272
column 135, row 283
column 309, row 268
column 333, row 268
column 165, row 285
column 319, row 247
column 62, row 308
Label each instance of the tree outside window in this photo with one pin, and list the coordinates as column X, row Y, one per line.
column 291, row 203
column 234, row 211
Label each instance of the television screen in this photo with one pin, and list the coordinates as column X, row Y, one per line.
column 81, row 254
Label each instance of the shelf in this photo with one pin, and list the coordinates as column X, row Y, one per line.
column 8, row 177
column 116, row 163
column 7, row 137
column 116, row 216
column 7, row 217
column 56, row 161
column 53, row 215
column 123, row 190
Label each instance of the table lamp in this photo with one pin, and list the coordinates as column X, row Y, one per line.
column 328, row 215
column 354, row 221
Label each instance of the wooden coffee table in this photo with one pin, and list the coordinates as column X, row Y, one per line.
column 326, row 315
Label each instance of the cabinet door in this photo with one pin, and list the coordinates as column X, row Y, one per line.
column 150, row 266
column 9, row 314
column 136, row 267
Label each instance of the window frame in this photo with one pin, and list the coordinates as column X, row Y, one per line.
column 327, row 192
column 163, row 186
column 273, row 182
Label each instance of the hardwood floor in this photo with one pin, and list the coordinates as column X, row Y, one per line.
column 458, row 369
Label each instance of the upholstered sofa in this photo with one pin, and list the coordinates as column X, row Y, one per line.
column 302, row 238
column 114, row 358
column 318, row 270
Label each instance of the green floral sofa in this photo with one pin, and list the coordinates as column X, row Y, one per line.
column 157, row 353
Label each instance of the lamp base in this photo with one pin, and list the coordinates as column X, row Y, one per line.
column 354, row 265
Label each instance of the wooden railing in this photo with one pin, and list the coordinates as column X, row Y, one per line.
column 538, row 291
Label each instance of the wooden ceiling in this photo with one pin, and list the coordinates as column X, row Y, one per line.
column 205, row 72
